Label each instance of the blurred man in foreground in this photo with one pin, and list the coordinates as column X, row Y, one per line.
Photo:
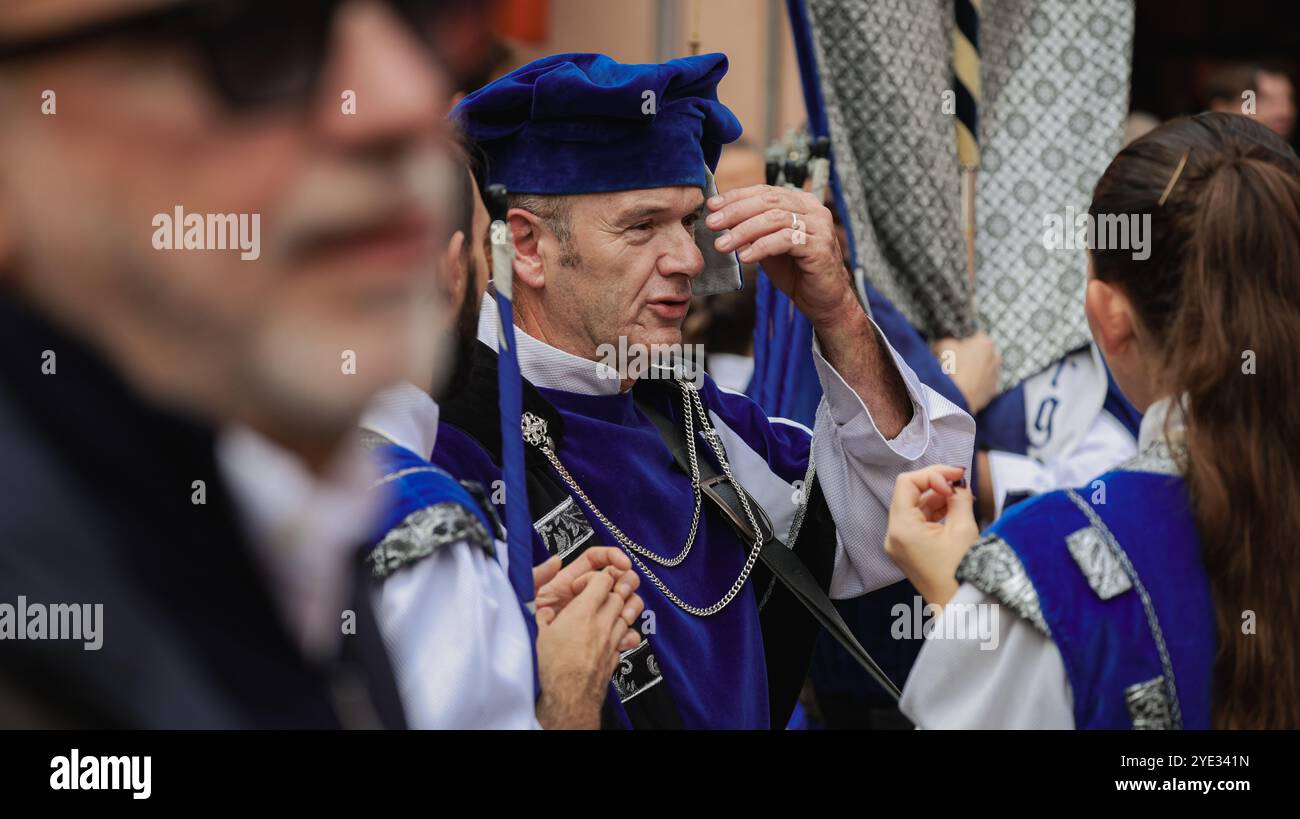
column 208, row 264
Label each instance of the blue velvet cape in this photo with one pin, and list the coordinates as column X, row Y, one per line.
column 1107, row 645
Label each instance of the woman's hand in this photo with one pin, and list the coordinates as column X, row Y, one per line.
column 931, row 527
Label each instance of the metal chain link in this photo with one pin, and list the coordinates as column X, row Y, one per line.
column 534, row 429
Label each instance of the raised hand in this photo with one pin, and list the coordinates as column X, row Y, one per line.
column 931, row 527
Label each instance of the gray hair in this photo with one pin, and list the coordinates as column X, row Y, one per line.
column 555, row 212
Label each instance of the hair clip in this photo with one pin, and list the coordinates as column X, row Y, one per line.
column 1173, row 180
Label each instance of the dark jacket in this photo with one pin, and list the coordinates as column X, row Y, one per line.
column 95, row 507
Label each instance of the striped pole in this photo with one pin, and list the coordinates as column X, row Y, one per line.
column 966, row 86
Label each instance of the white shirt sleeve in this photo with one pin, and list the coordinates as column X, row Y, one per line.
column 458, row 642
column 857, row 466
column 1017, row 681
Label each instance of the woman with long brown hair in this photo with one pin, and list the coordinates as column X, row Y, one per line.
column 1165, row 593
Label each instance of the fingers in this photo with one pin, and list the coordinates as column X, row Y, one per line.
column 632, row 609
column 628, row 582
column 761, row 199
column 580, row 582
column 736, row 206
column 757, row 226
column 544, row 573
column 611, row 619
column 595, row 593
column 545, row 616
column 961, row 515
column 933, row 505
column 773, row 244
column 594, row 559
column 599, row 557
column 631, row 639
column 773, row 195
column 910, row 485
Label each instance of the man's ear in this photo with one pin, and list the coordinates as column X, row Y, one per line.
column 526, row 229
column 1110, row 313
column 457, row 273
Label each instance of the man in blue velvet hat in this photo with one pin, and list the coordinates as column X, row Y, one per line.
column 615, row 225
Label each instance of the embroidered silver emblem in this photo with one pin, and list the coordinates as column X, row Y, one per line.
column 637, row 671
column 992, row 567
column 424, row 532
column 1148, row 705
column 1098, row 563
column 535, row 431
column 564, row 528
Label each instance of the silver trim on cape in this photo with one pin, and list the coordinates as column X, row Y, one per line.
column 1099, row 565
column 564, row 528
column 993, row 567
column 624, row 679
column 424, row 532
column 1148, row 705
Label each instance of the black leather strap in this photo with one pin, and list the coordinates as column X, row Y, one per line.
column 780, row 559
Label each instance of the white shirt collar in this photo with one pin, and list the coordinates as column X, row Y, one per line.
column 1152, row 428
column 545, row 366
column 304, row 529
column 405, row 415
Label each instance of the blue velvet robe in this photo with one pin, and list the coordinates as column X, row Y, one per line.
column 715, row 666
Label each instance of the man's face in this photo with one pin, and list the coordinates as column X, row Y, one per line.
column 351, row 213
column 1275, row 107
column 638, row 260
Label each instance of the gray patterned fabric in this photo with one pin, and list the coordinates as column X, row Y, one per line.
column 424, row 532
column 992, row 567
column 884, row 67
column 1055, row 93
column 1055, row 82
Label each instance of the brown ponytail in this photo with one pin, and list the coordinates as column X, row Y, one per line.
column 1220, row 294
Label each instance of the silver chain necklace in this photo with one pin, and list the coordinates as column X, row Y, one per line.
column 535, row 434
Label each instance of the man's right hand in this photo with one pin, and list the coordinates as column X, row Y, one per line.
column 578, row 649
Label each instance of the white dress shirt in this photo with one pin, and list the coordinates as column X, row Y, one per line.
column 305, row 529
column 455, row 633
column 1021, row 683
column 856, row 465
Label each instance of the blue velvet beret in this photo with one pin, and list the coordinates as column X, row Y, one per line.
column 583, row 123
